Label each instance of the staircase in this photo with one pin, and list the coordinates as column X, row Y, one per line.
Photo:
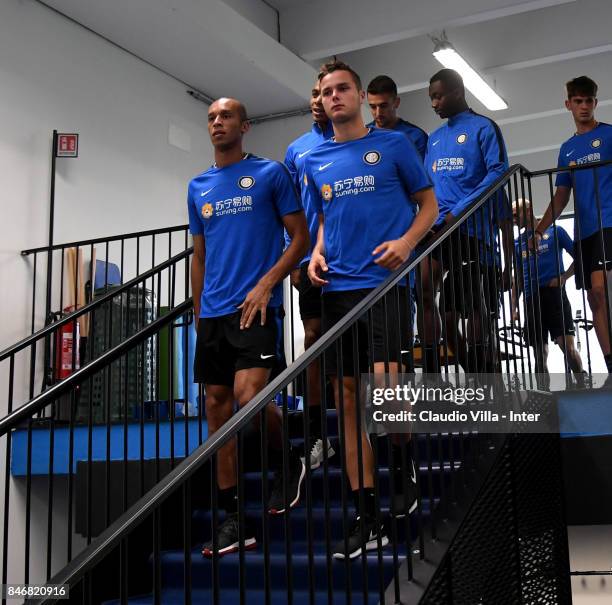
column 365, row 585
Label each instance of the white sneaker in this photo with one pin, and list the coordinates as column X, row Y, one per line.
column 316, row 453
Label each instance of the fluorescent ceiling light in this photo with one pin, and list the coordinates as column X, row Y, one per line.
column 450, row 58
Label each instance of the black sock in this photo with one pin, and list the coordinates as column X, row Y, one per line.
column 369, row 502
column 314, row 421
column 276, row 457
column 608, row 360
column 228, row 499
column 399, row 472
column 476, row 358
column 430, row 360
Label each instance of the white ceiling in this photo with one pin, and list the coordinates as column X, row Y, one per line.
column 526, row 49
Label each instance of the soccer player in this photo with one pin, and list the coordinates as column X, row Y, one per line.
column 366, row 184
column 464, row 157
column 238, row 209
column 547, row 308
column 384, row 103
column 310, row 295
column 592, row 189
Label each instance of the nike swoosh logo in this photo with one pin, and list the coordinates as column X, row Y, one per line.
column 324, row 166
column 301, row 155
column 206, row 192
column 567, row 155
column 266, row 356
column 435, row 143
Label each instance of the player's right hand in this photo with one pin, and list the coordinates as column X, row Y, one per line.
column 316, row 268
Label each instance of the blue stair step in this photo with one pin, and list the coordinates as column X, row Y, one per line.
column 172, row 566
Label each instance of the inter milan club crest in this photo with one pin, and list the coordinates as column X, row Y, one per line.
column 326, row 192
column 462, row 138
column 595, row 143
column 371, row 157
column 246, row 182
column 207, row 210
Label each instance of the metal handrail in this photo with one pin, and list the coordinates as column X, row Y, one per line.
column 92, row 305
column 103, row 240
column 108, row 539
column 32, row 407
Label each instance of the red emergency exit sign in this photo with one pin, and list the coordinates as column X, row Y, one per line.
column 67, row 145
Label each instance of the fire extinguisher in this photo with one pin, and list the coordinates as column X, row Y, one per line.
column 65, row 347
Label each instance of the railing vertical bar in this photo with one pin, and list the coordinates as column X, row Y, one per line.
column 28, row 505
column 343, row 463
column 7, row 478
column 157, row 583
column 242, row 587
column 326, row 503
column 287, row 518
column 308, row 486
column 50, row 495
column 578, row 237
column 124, row 570
column 264, row 504
column 214, row 504
column 33, row 320
column 73, row 410
column 187, row 541
column 89, row 458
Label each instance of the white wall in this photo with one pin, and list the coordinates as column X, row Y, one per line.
column 128, row 177
column 56, row 74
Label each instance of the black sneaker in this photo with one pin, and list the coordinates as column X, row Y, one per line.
column 405, row 503
column 297, row 471
column 228, row 538
column 372, row 533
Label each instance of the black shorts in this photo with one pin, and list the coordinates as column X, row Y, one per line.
column 391, row 334
column 223, row 348
column 590, row 255
column 553, row 317
column 309, row 296
column 460, row 256
column 492, row 287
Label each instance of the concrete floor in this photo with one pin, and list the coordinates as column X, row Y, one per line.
column 591, row 549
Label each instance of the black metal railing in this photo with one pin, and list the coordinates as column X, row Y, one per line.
column 55, row 352
column 77, row 454
column 154, row 547
column 182, row 510
column 121, row 256
column 65, row 277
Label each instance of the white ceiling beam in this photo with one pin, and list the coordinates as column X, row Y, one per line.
column 319, row 29
column 558, row 58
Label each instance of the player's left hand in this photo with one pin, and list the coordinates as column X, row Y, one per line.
column 395, row 253
column 256, row 300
